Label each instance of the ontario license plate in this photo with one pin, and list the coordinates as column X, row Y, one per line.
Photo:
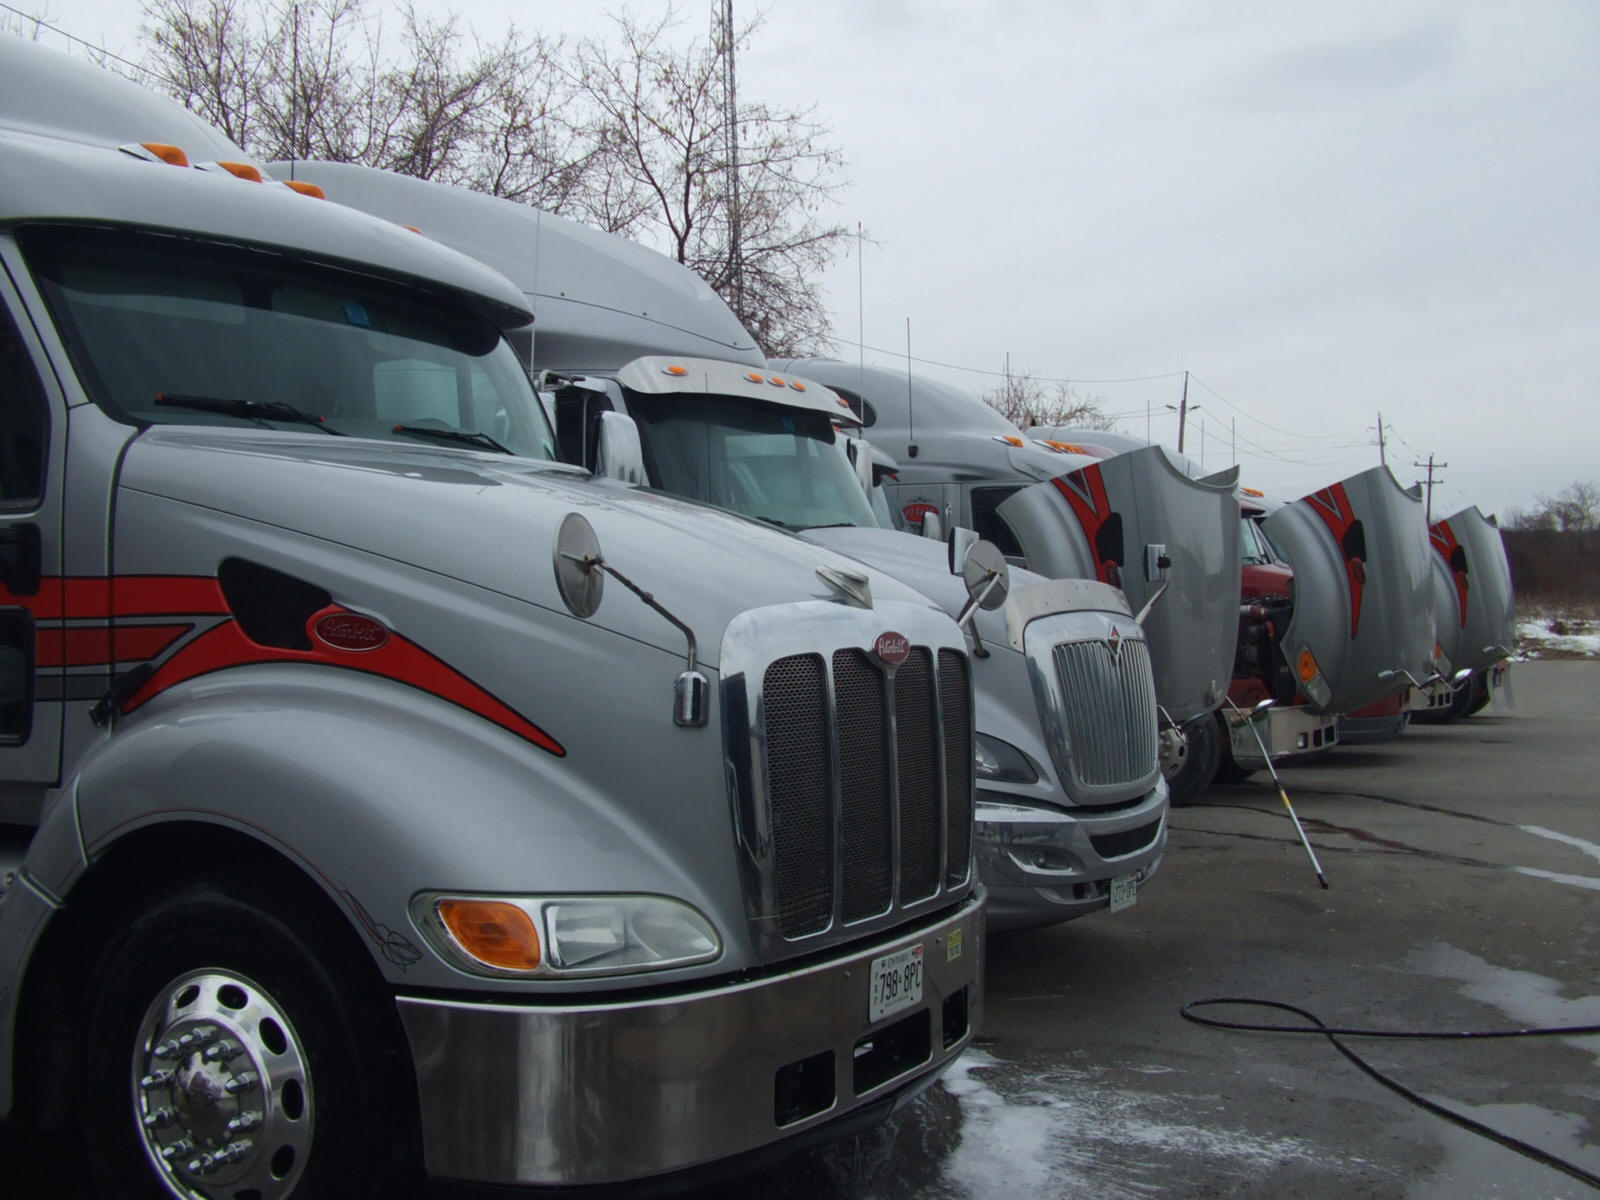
column 1124, row 891
column 896, row 983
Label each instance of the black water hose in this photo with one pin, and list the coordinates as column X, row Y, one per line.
column 1316, row 1025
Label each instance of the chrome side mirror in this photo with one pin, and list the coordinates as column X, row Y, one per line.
column 618, row 452
column 988, row 578
column 933, row 526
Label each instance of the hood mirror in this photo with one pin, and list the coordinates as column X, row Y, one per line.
column 933, row 526
column 988, row 578
column 577, row 560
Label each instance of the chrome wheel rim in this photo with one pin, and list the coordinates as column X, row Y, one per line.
column 222, row 1093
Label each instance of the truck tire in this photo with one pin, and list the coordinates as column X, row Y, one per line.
column 229, row 1051
column 1190, row 774
column 1480, row 693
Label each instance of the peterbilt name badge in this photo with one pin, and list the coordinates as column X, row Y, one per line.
column 350, row 631
column 891, row 649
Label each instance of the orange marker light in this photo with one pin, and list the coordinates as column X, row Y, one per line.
column 753, row 377
column 1065, row 447
column 1252, row 492
column 800, row 387
column 675, row 369
column 305, row 189
column 1307, row 667
column 242, row 170
column 171, row 155
column 1009, row 440
column 776, row 381
column 495, row 933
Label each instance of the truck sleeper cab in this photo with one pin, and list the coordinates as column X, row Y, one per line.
column 353, row 825
column 1070, row 799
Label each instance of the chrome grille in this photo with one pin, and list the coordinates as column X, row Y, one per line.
column 955, row 693
column 880, row 760
column 1106, row 703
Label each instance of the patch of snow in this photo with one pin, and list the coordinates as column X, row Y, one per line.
column 1475, row 1166
column 1532, row 1001
column 1535, row 637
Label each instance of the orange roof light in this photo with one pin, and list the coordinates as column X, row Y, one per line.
column 776, row 381
column 242, row 170
column 755, row 377
column 305, row 189
column 800, row 387
column 1256, row 492
column 1009, row 440
column 493, row 932
column 675, row 369
column 171, row 155
column 1065, row 447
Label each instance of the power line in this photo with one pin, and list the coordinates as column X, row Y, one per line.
column 1268, row 425
column 993, row 374
column 100, row 50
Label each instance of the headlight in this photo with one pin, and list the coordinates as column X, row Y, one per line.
column 1001, row 761
column 564, row 936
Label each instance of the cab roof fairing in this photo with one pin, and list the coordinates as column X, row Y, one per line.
column 906, row 403
column 53, row 95
column 49, row 181
column 599, row 300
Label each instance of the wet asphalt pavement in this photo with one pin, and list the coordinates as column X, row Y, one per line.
column 1464, row 863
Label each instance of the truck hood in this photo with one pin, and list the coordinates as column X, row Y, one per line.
column 1110, row 520
column 1363, row 593
column 924, row 564
column 490, row 521
column 1475, row 609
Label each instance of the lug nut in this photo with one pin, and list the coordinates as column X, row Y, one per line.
column 158, row 1118
column 178, row 1149
column 234, row 1151
column 155, row 1079
column 202, row 1164
column 245, row 1121
column 226, row 1048
column 166, row 1050
column 242, row 1082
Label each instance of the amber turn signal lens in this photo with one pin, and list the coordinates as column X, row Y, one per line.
column 305, row 189
column 495, row 933
column 1307, row 666
column 242, row 170
column 171, row 155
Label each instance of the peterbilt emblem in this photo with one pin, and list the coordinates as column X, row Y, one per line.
column 350, row 631
column 891, row 649
column 1114, row 643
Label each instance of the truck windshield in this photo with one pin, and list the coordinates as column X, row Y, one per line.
column 170, row 330
column 1253, row 550
column 776, row 464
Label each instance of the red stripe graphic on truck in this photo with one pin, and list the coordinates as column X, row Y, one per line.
column 107, row 599
column 1455, row 557
column 1333, row 505
column 1085, row 490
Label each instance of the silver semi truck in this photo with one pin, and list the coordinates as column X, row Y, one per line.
column 1071, row 805
column 379, row 795
column 1137, row 522
column 1475, row 614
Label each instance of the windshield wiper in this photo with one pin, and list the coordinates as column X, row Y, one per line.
column 470, row 437
column 254, row 410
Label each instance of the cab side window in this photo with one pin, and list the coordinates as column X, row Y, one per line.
column 22, row 422
column 991, row 525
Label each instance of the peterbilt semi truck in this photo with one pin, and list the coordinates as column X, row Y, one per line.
column 1136, row 523
column 379, row 796
column 1475, row 614
column 1071, row 804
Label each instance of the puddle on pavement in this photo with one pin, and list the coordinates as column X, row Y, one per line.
column 1046, row 1136
column 1476, row 1166
column 1528, row 999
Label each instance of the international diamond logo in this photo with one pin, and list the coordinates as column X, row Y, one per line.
column 1114, row 643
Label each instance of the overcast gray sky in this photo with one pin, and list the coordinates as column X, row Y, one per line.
column 1322, row 211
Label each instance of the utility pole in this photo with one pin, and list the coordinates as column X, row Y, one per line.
column 1183, row 410
column 1383, row 457
column 730, row 121
column 1233, row 429
column 1432, row 467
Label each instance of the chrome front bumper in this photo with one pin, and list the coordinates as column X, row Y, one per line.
column 613, row 1090
column 1286, row 732
column 1042, row 865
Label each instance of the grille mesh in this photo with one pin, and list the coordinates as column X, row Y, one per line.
column 800, row 796
column 901, row 779
column 866, row 828
column 918, row 750
column 1109, row 743
column 954, row 695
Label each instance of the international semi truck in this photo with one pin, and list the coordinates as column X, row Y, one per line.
column 1135, row 522
column 1071, row 803
column 380, row 796
column 1475, row 615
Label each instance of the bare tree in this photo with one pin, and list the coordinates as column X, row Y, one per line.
column 1575, row 509
column 1026, row 401
column 320, row 79
column 661, row 125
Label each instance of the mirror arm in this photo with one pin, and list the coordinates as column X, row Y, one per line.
column 1151, row 603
